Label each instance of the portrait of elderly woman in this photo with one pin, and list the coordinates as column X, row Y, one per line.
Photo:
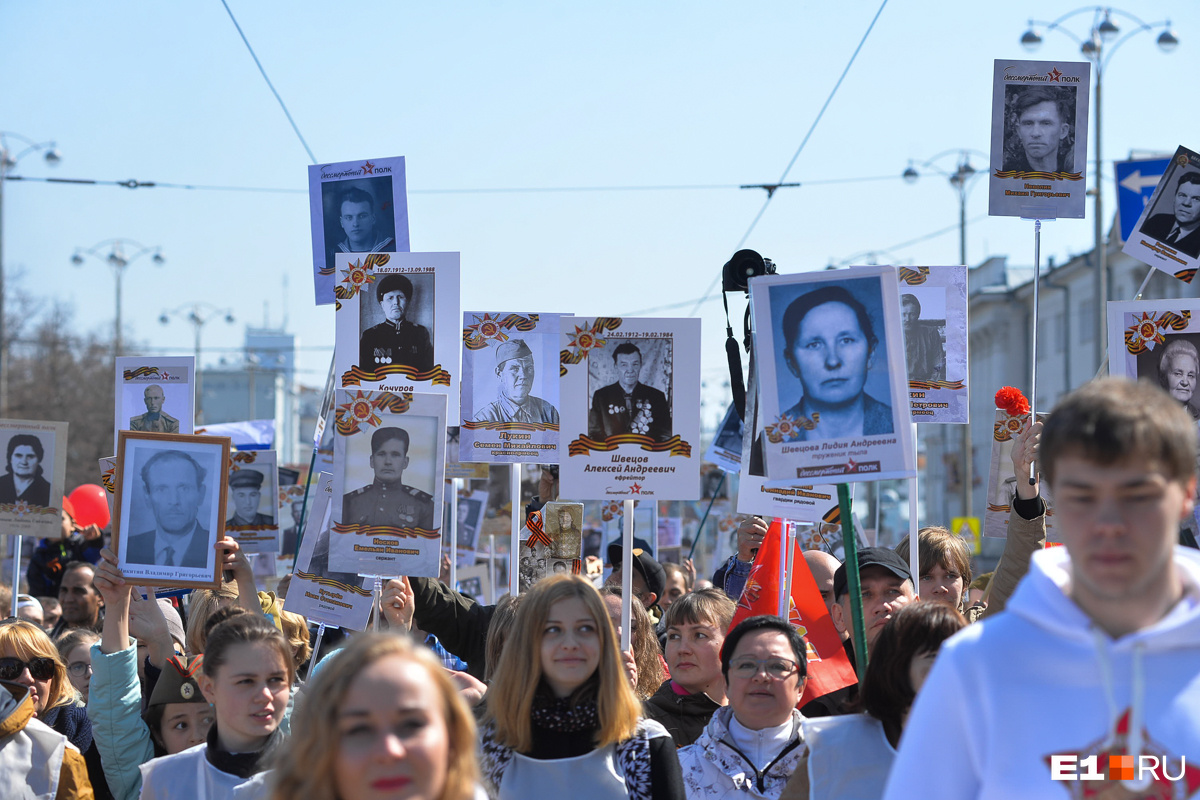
column 22, row 478
column 830, row 343
column 1178, row 368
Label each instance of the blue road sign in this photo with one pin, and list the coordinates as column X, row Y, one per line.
column 1135, row 184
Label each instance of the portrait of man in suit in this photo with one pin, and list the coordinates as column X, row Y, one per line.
column 628, row 405
column 1180, row 230
column 155, row 420
column 174, row 485
column 22, row 478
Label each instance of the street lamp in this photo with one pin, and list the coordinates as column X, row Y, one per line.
column 14, row 147
column 960, row 180
column 118, row 260
column 198, row 315
column 1097, row 46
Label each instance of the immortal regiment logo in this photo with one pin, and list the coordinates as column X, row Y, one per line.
column 152, row 374
column 366, row 168
column 1152, row 777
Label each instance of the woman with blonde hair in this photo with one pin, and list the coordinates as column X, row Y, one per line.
column 382, row 719
column 562, row 719
column 30, row 659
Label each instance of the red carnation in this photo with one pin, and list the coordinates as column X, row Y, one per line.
column 1010, row 399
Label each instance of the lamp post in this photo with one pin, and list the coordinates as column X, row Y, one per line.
column 14, row 147
column 118, row 260
column 199, row 315
column 1098, row 46
column 961, row 180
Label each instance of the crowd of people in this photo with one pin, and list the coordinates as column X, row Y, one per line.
column 1086, row 649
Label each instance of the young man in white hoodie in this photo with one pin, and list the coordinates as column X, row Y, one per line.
column 1098, row 652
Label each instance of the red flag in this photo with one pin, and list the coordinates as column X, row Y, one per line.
column 828, row 667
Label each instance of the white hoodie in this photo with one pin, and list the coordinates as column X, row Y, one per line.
column 1041, row 680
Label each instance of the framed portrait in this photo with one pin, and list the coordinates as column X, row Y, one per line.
column 1002, row 480
column 289, row 512
column 1167, row 234
column 933, row 311
column 726, row 448
column 155, row 395
column 317, row 592
column 252, row 500
column 35, row 477
column 355, row 207
column 1038, row 166
column 396, row 324
column 631, row 423
column 169, row 511
column 829, row 356
column 391, row 449
column 509, row 388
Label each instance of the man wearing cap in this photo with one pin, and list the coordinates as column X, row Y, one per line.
column 155, row 420
column 886, row 585
column 649, row 578
column 387, row 500
column 628, row 405
column 245, row 490
column 514, row 403
column 396, row 340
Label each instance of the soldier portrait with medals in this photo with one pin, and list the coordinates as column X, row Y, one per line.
column 387, row 500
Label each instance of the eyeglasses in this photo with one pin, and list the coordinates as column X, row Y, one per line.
column 79, row 668
column 41, row 668
column 777, row 668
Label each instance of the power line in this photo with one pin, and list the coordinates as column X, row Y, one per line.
column 796, row 155
column 270, row 85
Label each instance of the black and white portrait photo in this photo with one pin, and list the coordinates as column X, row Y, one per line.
column 25, row 478
column 359, row 216
column 396, row 322
column 389, row 500
column 154, row 395
column 1175, row 366
column 470, row 517
column 155, row 420
column 514, row 375
column 1174, row 217
column 629, row 381
column 170, row 507
column 1039, row 128
column 924, row 333
column 563, row 523
column 245, row 503
column 831, row 360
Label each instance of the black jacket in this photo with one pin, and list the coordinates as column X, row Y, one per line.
column 683, row 715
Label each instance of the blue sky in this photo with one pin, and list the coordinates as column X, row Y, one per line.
column 486, row 95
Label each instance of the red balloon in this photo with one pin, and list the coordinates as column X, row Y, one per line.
column 91, row 505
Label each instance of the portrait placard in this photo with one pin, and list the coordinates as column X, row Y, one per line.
column 830, row 358
column 317, row 593
column 391, row 450
column 933, row 311
column 631, row 423
column 252, row 502
column 471, row 510
column 1167, row 234
column 726, row 448
column 397, row 324
column 1039, row 139
column 1002, row 479
column 1159, row 341
column 169, row 511
column 554, row 543
column 108, row 479
column 797, row 502
column 291, row 506
column 35, row 477
column 476, row 581
column 155, row 395
column 456, row 468
column 355, row 207
column 509, row 388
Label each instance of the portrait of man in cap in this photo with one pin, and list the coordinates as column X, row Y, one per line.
column 387, row 501
column 396, row 340
column 155, row 420
column 514, row 401
column 245, row 491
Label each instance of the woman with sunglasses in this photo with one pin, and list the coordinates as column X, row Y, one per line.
column 28, row 658
column 751, row 746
